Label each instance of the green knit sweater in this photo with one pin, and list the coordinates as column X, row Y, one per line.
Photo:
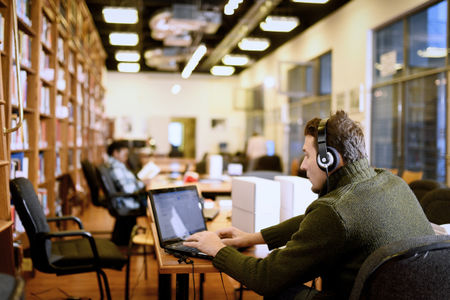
column 365, row 209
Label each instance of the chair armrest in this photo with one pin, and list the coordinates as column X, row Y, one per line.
column 66, row 218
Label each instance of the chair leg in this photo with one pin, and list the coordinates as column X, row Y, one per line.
column 100, row 285
column 105, row 281
column 127, row 280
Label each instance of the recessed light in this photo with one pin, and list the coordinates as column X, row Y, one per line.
column 128, row 67
column 254, row 44
column 279, row 23
column 121, row 15
column 235, row 60
column 130, row 56
column 123, row 39
column 222, row 70
column 311, row 1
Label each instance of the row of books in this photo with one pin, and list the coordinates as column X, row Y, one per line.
column 23, row 86
column 24, row 10
column 46, row 33
column 44, row 106
column 19, row 165
column 43, row 143
column 46, row 71
column 20, row 137
column 24, row 49
column 41, row 171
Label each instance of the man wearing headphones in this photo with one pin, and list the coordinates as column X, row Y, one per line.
column 358, row 210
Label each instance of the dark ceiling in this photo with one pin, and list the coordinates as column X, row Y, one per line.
column 307, row 13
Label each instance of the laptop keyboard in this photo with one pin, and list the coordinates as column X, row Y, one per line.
column 179, row 246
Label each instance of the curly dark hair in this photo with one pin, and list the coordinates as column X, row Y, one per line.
column 343, row 134
column 116, row 146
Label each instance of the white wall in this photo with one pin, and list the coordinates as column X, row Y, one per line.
column 145, row 100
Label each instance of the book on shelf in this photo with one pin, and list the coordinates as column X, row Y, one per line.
column 44, row 106
column 46, row 71
column 70, row 135
column 41, row 171
column 19, row 165
column 43, row 134
column 60, row 50
column 61, row 82
column 58, row 136
column 58, row 164
column 43, row 199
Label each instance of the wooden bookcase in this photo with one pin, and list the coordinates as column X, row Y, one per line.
column 62, row 64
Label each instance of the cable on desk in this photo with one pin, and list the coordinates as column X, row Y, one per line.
column 223, row 285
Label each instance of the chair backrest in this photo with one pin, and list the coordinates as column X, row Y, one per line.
column 422, row 186
column 269, row 163
column 436, row 206
column 32, row 216
column 106, row 182
column 90, row 175
column 416, row 268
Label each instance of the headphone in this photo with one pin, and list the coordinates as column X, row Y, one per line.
column 328, row 157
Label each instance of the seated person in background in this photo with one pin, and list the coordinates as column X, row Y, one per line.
column 358, row 210
column 124, row 180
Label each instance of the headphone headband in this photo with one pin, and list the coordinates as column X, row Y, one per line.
column 323, row 158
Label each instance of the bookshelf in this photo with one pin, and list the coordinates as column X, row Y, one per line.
column 61, row 69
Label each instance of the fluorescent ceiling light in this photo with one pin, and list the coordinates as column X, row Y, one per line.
column 176, row 88
column 279, row 24
column 311, row 1
column 235, row 60
column 123, row 39
column 432, row 52
column 231, row 6
column 130, row 56
column 254, row 44
column 193, row 61
column 120, row 15
column 128, row 67
column 222, row 70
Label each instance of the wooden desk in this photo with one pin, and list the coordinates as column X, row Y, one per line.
column 208, row 189
column 168, row 264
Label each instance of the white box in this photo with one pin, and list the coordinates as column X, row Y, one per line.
column 255, row 203
column 215, row 166
column 296, row 196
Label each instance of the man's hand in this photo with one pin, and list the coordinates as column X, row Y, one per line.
column 234, row 237
column 206, row 241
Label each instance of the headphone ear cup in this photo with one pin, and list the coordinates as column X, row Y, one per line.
column 333, row 160
column 336, row 159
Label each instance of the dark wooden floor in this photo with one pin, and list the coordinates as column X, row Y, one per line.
column 84, row 286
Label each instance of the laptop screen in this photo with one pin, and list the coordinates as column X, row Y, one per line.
column 177, row 212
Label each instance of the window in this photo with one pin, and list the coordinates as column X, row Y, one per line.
column 409, row 113
column 313, row 81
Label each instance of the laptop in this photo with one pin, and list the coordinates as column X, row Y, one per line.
column 177, row 213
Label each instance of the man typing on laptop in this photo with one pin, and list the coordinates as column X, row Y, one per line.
column 358, row 210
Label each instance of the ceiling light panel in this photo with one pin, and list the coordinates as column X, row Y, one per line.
column 311, row 1
column 231, row 6
column 235, row 60
column 279, row 23
column 130, row 56
column 254, row 44
column 123, row 39
column 193, row 61
column 222, row 70
column 128, row 67
column 120, row 15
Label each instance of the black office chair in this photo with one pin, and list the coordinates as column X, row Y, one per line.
column 90, row 174
column 52, row 254
column 416, row 268
column 124, row 207
column 436, row 206
column 422, row 186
